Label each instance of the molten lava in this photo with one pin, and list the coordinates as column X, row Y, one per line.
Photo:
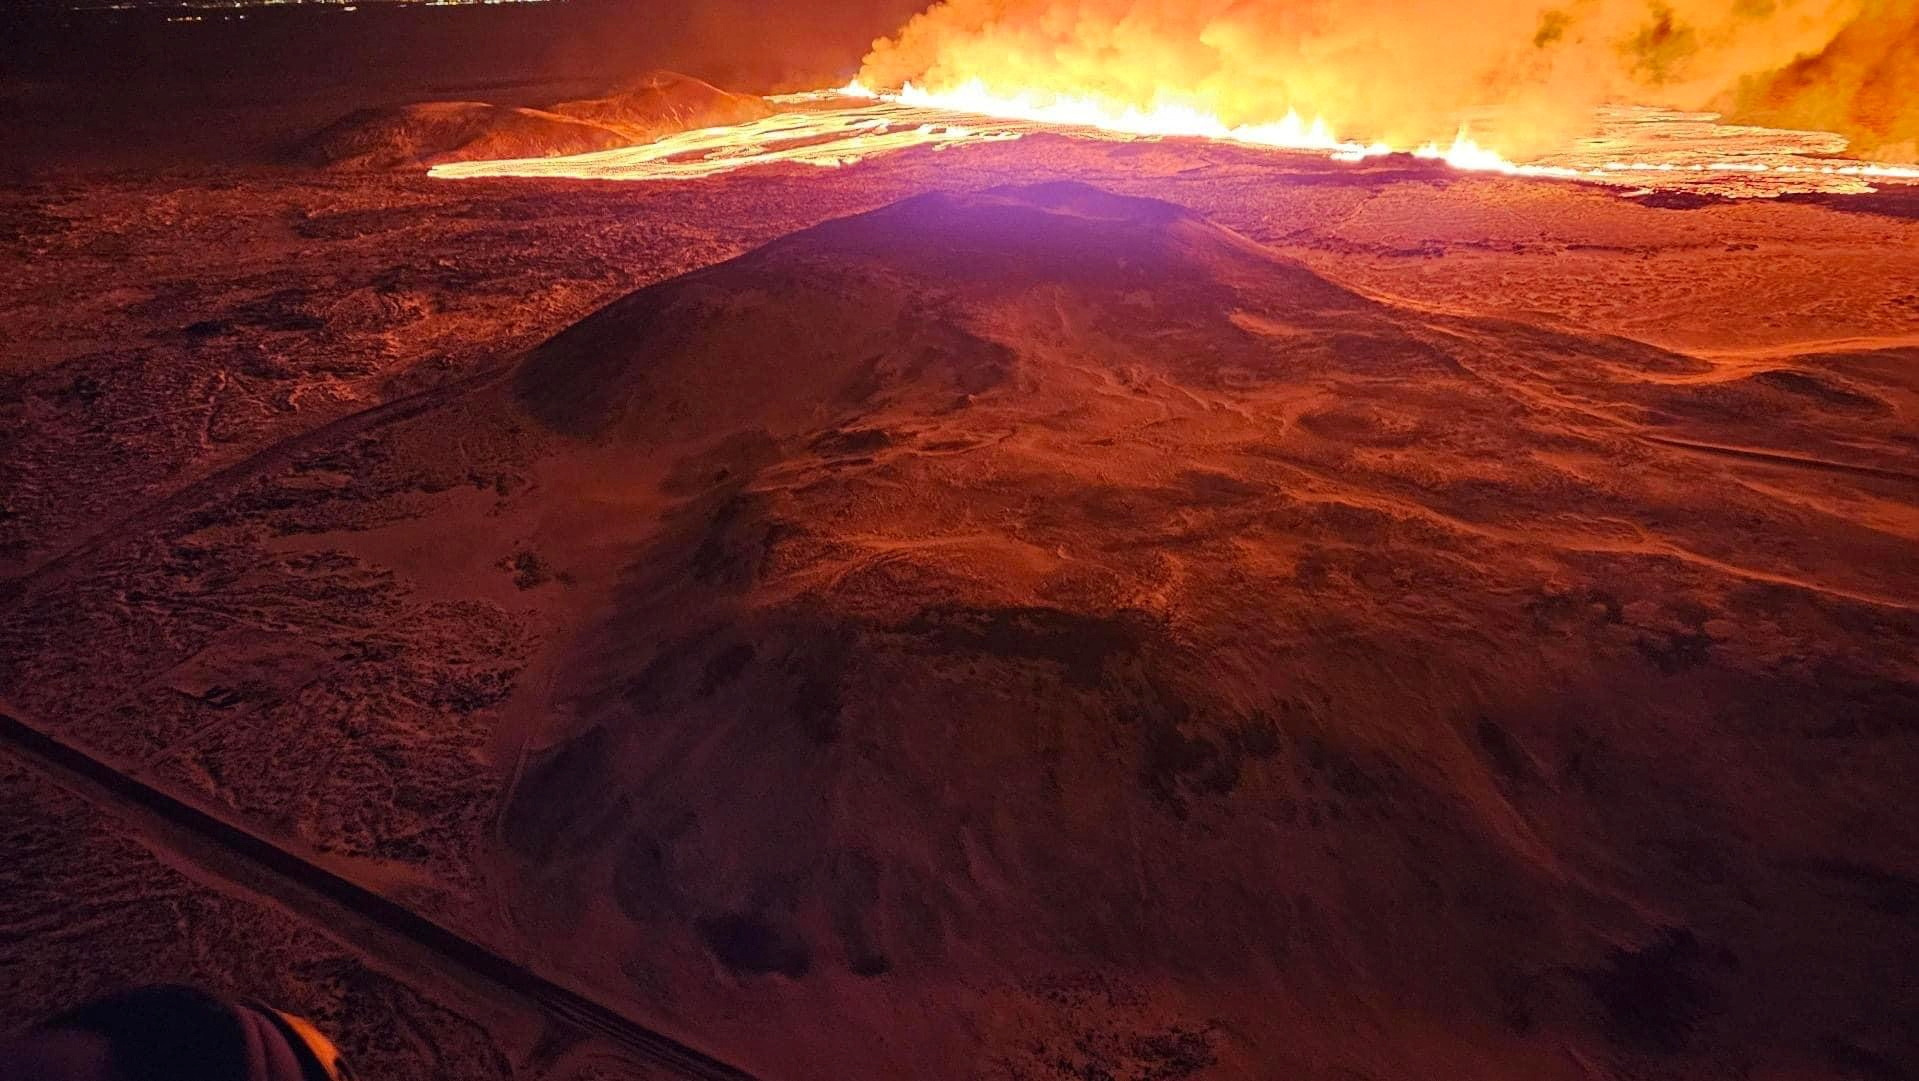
column 1166, row 118
column 1633, row 147
column 1516, row 88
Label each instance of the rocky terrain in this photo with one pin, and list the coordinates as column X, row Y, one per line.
column 427, row 133
column 1208, row 617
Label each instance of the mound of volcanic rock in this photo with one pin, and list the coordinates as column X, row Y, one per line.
column 430, row 133
column 1040, row 633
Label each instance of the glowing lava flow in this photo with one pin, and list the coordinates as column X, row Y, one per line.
column 833, row 128
column 1174, row 119
column 1163, row 119
column 826, row 139
column 1292, row 133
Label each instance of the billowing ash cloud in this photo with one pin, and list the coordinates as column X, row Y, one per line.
column 1864, row 84
column 1406, row 71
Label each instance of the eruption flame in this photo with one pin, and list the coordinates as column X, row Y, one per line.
column 1402, row 72
column 1249, row 72
column 1165, row 118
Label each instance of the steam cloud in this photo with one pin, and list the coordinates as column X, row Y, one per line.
column 1410, row 71
column 1864, row 84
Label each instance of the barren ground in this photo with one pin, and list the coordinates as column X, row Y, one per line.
column 1471, row 635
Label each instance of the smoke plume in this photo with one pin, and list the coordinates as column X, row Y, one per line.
column 1864, row 85
column 1527, row 72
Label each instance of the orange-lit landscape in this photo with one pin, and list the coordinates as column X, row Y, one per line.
column 1023, row 539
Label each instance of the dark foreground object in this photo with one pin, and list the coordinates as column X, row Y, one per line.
column 564, row 1006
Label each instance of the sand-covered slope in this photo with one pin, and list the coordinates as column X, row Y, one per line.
column 433, row 132
column 1074, row 590
column 1041, row 633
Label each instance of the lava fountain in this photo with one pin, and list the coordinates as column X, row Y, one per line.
column 1522, row 89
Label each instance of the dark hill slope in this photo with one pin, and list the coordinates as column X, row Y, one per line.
column 1041, row 634
column 1073, row 587
column 427, row 133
